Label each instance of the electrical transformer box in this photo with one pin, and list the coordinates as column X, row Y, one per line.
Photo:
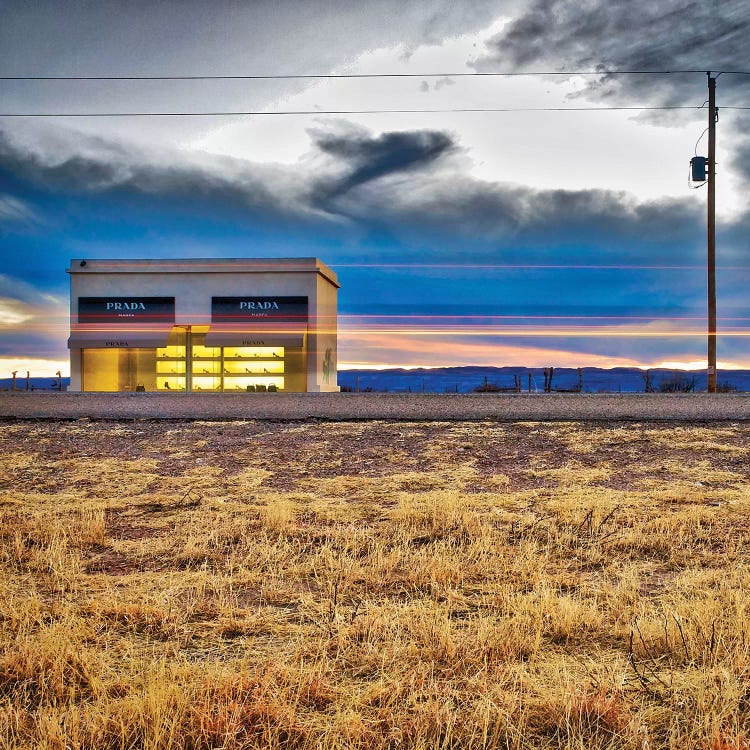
column 698, row 168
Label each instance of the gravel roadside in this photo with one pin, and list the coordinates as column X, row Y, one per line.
column 366, row 406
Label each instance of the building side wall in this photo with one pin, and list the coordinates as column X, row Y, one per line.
column 322, row 343
column 75, row 370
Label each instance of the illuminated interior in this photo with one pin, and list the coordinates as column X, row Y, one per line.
column 169, row 369
column 206, row 363
column 119, row 370
column 171, row 363
column 253, row 368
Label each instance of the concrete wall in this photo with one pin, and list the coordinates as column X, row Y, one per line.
column 322, row 344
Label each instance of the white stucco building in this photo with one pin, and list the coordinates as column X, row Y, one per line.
column 209, row 325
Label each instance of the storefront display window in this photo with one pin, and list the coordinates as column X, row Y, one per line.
column 170, row 369
column 119, row 369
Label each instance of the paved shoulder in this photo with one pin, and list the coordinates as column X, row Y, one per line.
column 352, row 406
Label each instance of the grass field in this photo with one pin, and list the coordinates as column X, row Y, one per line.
column 374, row 585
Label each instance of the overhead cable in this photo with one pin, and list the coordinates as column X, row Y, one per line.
column 324, row 76
column 262, row 113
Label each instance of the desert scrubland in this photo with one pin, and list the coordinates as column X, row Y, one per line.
column 374, row 585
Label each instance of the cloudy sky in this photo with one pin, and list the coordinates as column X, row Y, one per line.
column 522, row 237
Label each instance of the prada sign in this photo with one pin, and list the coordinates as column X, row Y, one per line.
column 126, row 310
column 127, row 340
column 259, row 309
column 233, row 338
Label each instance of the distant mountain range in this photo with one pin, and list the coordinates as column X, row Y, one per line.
column 593, row 379
column 468, row 379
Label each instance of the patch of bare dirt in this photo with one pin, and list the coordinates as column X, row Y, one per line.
column 112, row 563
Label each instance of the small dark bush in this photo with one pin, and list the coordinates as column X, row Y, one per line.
column 679, row 382
column 726, row 388
column 488, row 388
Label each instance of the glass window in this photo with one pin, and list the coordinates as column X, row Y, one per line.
column 118, row 370
column 206, row 352
column 254, row 352
column 171, row 363
column 179, row 367
column 253, row 368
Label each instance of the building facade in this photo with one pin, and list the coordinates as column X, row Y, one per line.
column 239, row 325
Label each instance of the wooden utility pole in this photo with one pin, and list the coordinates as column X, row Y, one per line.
column 711, row 224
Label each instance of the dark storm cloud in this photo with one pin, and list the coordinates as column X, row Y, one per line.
column 569, row 35
column 405, row 185
column 636, row 35
column 221, row 37
column 195, row 37
column 740, row 148
column 365, row 158
column 97, row 166
column 457, row 215
column 409, row 186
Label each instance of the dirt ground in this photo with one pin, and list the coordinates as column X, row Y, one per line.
column 374, row 584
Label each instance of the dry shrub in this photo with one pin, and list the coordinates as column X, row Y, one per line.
column 278, row 516
column 49, row 670
column 49, row 556
column 433, row 516
column 258, row 710
column 730, row 741
column 140, row 617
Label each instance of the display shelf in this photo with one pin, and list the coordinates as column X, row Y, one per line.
column 171, row 368
column 243, row 381
column 206, row 389
column 254, row 352
column 179, row 352
column 169, row 382
column 254, row 360
column 216, row 369
column 252, row 389
column 206, row 352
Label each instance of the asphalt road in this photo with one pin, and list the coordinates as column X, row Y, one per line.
column 694, row 407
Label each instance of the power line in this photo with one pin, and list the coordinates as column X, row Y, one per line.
column 324, row 76
column 259, row 113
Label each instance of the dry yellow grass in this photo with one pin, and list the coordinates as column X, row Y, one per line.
column 376, row 585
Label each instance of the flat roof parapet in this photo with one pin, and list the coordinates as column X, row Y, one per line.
column 202, row 265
